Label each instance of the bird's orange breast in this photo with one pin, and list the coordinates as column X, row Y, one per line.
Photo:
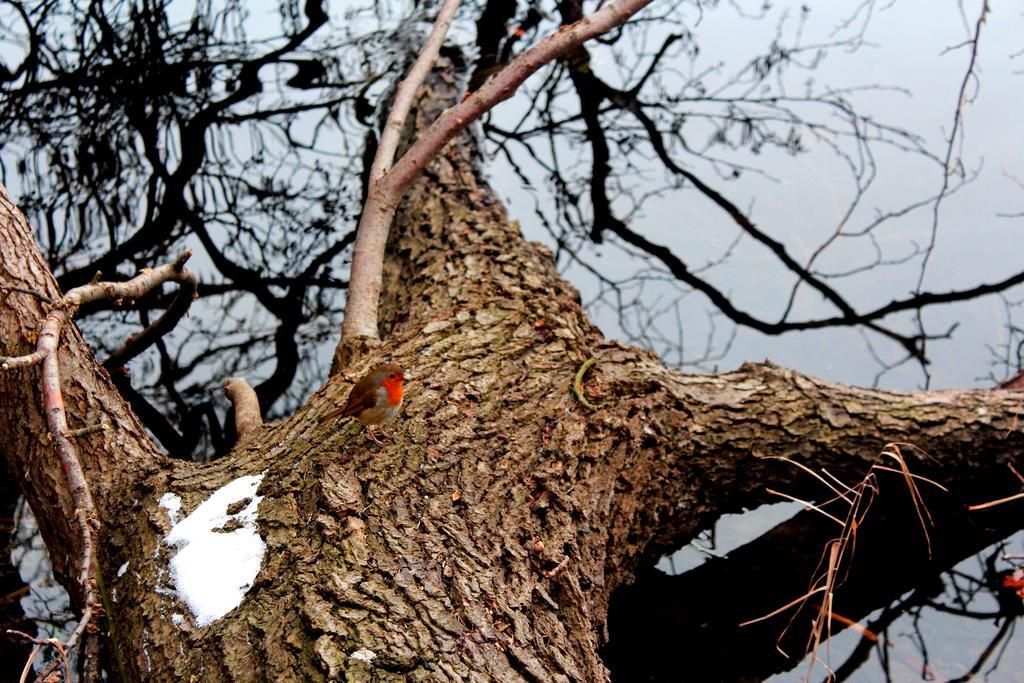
column 394, row 389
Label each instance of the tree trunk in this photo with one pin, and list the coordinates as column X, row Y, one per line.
column 482, row 542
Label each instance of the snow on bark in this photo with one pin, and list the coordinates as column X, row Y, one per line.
column 219, row 550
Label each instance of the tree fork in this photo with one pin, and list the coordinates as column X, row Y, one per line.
column 485, row 541
column 387, row 183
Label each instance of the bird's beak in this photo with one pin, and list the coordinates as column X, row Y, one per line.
column 406, row 377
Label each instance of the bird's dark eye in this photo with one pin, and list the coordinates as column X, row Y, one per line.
column 391, row 376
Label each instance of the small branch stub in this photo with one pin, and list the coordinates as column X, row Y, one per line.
column 248, row 418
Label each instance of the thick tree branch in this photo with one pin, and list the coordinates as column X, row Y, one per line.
column 365, row 282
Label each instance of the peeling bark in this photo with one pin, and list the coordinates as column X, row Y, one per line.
column 437, row 554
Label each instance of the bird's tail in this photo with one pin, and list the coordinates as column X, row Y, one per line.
column 334, row 413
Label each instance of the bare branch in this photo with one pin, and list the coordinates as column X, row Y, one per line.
column 382, row 200
column 9, row 362
column 137, row 343
column 504, row 85
column 130, row 289
column 952, row 164
column 372, row 234
column 406, row 92
column 47, row 346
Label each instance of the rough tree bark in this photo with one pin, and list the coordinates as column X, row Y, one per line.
column 483, row 543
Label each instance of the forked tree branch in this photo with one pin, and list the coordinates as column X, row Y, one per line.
column 385, row 193
column 135, row 344
column 368, row 253
column 405, row 94
column 46, row 353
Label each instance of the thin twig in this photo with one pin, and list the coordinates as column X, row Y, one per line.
column 91, row 429
column 948, row 162
column 814, row 474
column 577, row 384
column 28, row 664
column 838, row 551
column 993, row 503
column 25, row 290
column 807, row 505
column 782, row 609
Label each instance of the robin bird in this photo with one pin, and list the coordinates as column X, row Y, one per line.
column 375, row 399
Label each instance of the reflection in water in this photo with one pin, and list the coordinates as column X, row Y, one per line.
column 729, row 533
column 965, row 629
column 132, row 131
column 45, row 602
column 898, row 615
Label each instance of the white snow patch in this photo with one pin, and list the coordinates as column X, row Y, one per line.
column 177, row 619
column 171, row 503
column 122, row 569
column 363, row 655
column 212, row 570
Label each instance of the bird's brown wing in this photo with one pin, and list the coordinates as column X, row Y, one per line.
column 361, row 397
